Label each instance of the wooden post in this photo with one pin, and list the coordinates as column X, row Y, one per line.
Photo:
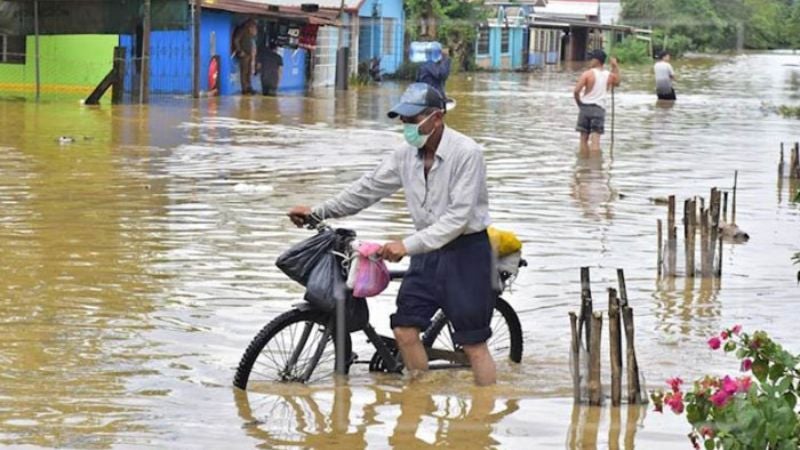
column 595, row 386
column 118, row 88
column 780, row 164
column 714, row 231
column 37, row 68
column 144, row 75
column 585, row 316
column 733, row 201
column 196, row 13
column 718, row 271
column 672, row 237
column 615, row 347
column 796, row 167
column 691, row 238
column 623, row 290
column 575, row 357
column 704, row 226
column 725, row 206
column 634, row 389
column 660, row 257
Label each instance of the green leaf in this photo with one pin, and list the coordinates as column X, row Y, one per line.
column 709, row 444
column 730, row 346
column 776, row 371
column 760, row 369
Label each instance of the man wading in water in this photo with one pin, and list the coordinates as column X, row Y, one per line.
column 443, row 175
column 590, row 95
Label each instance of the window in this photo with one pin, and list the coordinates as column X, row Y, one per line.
column 388, row 36
column 12, row 49
column 483, row 41
column 504, row 40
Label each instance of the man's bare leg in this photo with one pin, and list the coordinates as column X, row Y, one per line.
column 411, row 349
column 584, row 142
column 595, row 142
column 483, row 368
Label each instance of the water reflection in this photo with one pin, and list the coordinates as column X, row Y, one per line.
column 587, row 422
column 692, row 310
column 401, row 416
column 591, row 185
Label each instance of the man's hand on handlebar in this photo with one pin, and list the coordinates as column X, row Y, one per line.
column 393, row 251
column 299, row 215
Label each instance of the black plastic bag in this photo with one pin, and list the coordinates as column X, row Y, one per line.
column 327, row 283
column 299, row 261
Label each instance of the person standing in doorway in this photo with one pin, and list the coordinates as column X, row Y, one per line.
column 270, row 64
column 590, row 94
column 665, row 76
column 244, row 48
column 443, row 175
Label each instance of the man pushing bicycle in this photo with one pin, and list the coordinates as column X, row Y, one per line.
column 443, row 175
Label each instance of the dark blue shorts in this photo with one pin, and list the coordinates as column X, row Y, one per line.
column 456, row 279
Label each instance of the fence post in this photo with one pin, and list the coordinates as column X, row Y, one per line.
column 118, row 87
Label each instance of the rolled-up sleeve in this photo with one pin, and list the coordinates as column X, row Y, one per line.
column 469, row 174
column 373, row 186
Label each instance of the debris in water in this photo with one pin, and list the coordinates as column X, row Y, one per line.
column 245, row 188
column 65, row 140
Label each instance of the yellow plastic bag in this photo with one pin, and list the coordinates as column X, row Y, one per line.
column 503, row 242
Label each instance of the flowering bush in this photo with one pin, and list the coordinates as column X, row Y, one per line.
column 741, row 412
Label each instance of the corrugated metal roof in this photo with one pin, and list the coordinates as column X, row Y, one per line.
column 569, row 8
column 349, row 5
column 254, row 7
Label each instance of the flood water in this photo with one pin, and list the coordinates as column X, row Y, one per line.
column 137, row 262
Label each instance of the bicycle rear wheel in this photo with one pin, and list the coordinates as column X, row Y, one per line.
column 506, row 340
column 297, row 346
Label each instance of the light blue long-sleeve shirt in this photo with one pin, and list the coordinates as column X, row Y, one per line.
column 452, row 201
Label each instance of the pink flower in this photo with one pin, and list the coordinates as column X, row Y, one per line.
column 675, row 401
column 744, row 384
column 720, row 398
column 714, row 343
column 747, row 364
column 675, row 384
column 729, row 385
column 707, row 432
column 724, row 335
column 736, row 329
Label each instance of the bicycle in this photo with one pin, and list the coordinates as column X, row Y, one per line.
column 299, row 345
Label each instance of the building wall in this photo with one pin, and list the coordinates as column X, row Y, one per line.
column 72, row 65
column 383, row 36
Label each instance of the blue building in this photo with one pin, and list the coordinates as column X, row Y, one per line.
column 502, row 42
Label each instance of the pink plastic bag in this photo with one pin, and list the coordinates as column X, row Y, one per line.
column 372, row 275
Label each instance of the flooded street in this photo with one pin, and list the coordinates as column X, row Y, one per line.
column 137, row 262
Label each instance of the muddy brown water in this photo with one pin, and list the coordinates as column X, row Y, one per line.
column 137, row 262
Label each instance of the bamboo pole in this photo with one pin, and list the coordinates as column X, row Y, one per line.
column 575, row 360
column 718, row 270
column 796, row 167
column 733, row 201
column 660, row 257
column 780, row 164
column 634, row 388
column 585, row 316
column 595, row 386
column 671, row 237
column 691, row 238
column 615, row 347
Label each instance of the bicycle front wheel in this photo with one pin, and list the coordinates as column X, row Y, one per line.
column 506, row 340
column 297, row 346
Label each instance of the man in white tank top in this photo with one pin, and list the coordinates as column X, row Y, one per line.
column 590, row 95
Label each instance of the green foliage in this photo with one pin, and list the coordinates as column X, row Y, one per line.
column 718, row 24
column 742, row 413
column 632, row 51
column 790, row 112
column 451, row 22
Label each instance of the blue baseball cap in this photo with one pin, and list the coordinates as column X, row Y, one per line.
column 416, row 99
